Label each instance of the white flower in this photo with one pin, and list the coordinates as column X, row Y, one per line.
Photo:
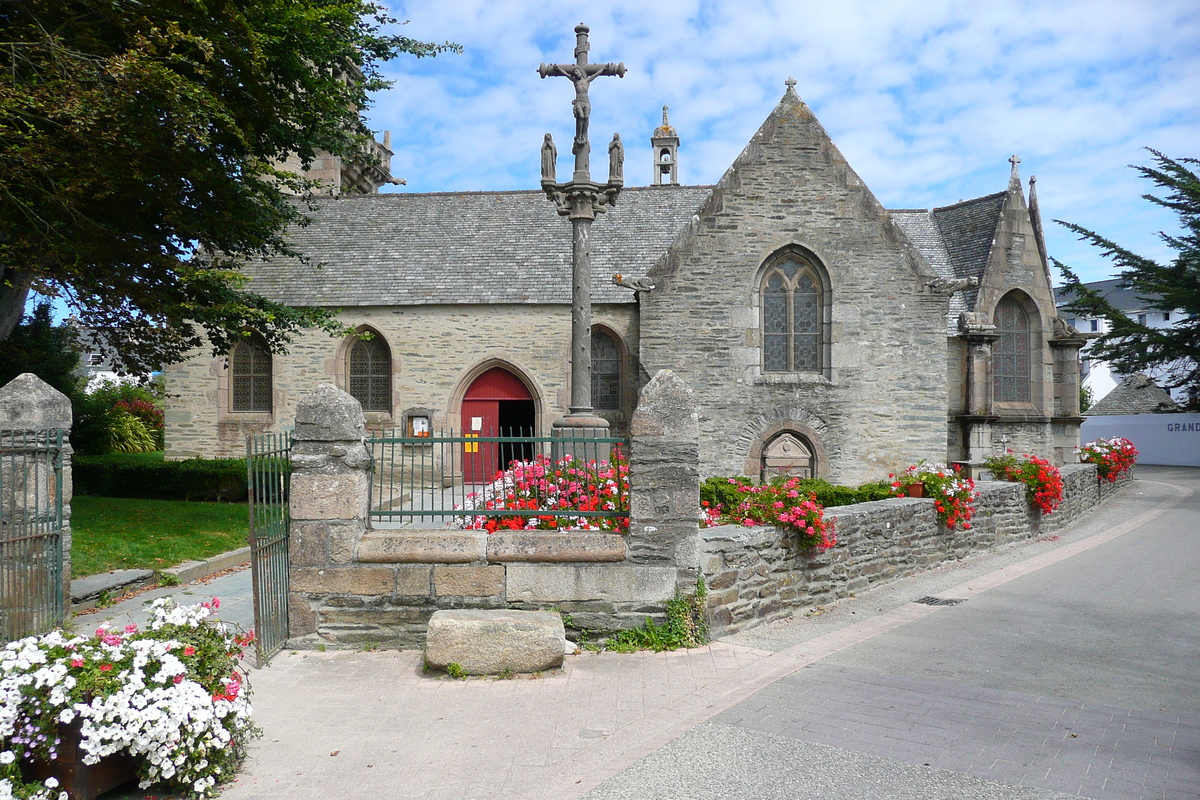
column 7, row 757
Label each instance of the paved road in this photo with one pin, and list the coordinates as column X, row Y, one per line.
column 1079, row 677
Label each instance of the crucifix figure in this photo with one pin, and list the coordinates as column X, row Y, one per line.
column 580, row 200
column 581, row 74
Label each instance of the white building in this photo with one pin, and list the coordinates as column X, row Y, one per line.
column 1097, row 375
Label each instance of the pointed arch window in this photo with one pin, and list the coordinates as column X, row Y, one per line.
column 792, row 317
column 250, row 376
column 1011, row 353
column 606, row 371
column 370, row 374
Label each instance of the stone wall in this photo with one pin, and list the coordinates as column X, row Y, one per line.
column 431, row 369
column 755, row 575
column 351, row 584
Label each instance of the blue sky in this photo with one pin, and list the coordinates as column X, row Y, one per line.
column 927, row 100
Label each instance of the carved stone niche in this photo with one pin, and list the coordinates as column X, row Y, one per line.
column 788, row 456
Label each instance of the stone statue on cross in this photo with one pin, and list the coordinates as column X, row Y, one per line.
column 581, row 74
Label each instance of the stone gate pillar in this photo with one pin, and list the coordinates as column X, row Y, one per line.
column 664, row 466
column 29, row 405
column 329, row 501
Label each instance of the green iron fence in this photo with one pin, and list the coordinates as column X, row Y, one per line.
column 462, row 480
column 268, row 472
column 32, row 583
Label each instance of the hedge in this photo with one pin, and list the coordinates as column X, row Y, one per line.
column 144, row 476
column 719, row 491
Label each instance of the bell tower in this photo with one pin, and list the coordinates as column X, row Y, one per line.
column 665, row 146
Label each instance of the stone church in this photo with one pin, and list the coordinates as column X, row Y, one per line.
column 821, row 333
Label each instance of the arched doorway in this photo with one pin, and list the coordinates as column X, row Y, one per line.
column 496, row 404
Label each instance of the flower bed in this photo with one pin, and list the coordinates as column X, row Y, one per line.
column 560, row 487
column 1113, row 457
column 172, row 697
column 1043, row 482
column 953, row 494
column 781, row 502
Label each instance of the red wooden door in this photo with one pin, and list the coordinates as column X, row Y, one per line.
column 481, row 417
column 480, row 460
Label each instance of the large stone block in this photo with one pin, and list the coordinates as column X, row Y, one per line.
column 29, row 403
column 433, row 547
column 344, row 580
column 329, row 496
column 490, row 642
column 620, row 583
column 546, row 546
column 468, row 581
column 328, row 414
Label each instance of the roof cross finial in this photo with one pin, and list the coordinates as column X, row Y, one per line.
column 790, row 82
column 1013, row 178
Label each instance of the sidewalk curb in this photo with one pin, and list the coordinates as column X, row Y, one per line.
column 86, row 591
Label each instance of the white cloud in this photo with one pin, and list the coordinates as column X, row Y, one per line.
column 927, row 100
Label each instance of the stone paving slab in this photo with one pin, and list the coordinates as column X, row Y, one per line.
column 1082, row 749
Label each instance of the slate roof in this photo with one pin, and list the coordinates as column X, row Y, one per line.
column 956, row 241
column 1136, row 394
column 1123, row 298
column 511, row 247
column 468, row 247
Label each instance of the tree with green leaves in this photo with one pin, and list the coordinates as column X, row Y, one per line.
column 1171, row 354
column 37, row 345
column 139, row 153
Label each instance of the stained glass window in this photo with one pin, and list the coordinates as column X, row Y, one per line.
column 1010, row 354
column 606, row 372
column 792, row 318
column 250, row 376
column 371, row 374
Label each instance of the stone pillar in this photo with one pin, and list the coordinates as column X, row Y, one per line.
column 1065, row 347
column 329, row 501
column 979, row 334
column 28, row 405
column 664, row 466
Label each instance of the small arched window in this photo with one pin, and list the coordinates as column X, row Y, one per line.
column 606, row 371
column 1011, row 353
column 370, row 374
column 250, row 375
column 792, row 317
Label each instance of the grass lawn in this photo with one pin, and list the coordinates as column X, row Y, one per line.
column 115, row 533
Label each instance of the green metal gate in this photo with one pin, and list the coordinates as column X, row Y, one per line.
column 32, row 583
column 268, row 471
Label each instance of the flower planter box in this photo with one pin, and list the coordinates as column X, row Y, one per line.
column 915, row 489
column 79, row 780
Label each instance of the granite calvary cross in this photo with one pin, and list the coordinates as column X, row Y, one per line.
column 580, row 200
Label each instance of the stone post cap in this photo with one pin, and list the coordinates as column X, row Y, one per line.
column 28, row 403
column 327, row 414
column 666, row 407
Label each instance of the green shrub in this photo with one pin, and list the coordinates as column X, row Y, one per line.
column 117, row 418
column 686, row 626
column 719, row 491
column 148, row 476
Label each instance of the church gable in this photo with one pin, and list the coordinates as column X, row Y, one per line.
column 1015, row 260
column 795, row 294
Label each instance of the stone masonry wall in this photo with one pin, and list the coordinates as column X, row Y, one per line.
column 882, row 399
column 434, row 351
column 351, row 585
column 755, row 575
